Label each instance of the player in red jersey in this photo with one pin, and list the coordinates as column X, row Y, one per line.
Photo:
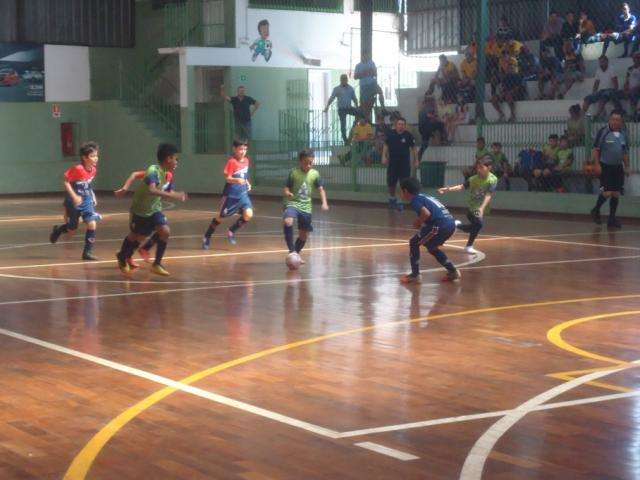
column 145, row 249
column 235, row 196
column 80, row 201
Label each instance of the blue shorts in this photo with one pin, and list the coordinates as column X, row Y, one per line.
column 230, row 206
column 304, row 219
column 368, row 92
column 146, row 225
column 84, row 211
column 432, row 235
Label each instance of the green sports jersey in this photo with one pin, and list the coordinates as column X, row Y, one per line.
column 499, row 159
column 144, row 203
column 301, row 185
column 481, row 153
column 551, row 154
column 478, row 188
column 565, row 156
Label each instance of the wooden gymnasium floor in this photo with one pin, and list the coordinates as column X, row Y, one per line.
column 233, row 368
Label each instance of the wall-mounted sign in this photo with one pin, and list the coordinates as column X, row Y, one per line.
column 21, row 72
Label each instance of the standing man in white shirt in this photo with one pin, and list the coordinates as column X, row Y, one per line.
column 605, row 89
column 346, row 95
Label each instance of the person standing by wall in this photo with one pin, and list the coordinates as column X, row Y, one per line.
column 346, row 95
column 242, row 111
column 367, row 72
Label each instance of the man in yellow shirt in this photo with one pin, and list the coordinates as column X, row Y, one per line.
column 467, row 84
column 446, row 78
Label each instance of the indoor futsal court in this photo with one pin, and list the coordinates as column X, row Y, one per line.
column 235, row 368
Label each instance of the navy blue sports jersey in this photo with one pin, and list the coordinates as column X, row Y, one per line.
column 439, row 213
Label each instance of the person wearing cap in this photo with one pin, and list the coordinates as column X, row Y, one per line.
column 632, row 85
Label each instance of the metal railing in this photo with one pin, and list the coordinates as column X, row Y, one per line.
column 196, row 23
column 329, row 6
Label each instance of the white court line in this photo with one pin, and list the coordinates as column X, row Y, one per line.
column 477, row 457
column 481, row 416
column 473, row 260
column 582, row 244
column 214, row 397
column 390, row 452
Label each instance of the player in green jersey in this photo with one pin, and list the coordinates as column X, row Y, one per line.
column 297, row 202
column 146, row 210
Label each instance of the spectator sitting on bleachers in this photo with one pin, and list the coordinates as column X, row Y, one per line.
column 504, row 30
column 380, row 137
column 573, row 68
column 552, row 35
column 528, row 64
column 361, row 141
column 447, row 79
column 557, row 158
column 492, row 52
column 605, row 88
column 632, row 85
column 571, row 32
column 529, row 160
column 625, row 32
column 456, row 114
column 576, row 127
column 510, row 88
column 500, row 167
column 550, row 71
column 467, row 83
column 587, row 29
column 481, row 152
column 429, row 123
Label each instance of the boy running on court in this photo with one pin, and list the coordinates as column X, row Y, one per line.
column 436, row 225
column 145, row 249
column 80, row 201
column 146, row 210
column 481, row 187
column 235, row 196
column 297, row 202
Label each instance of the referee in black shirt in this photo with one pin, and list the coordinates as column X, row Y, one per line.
column 399, row 154
column 611, row 155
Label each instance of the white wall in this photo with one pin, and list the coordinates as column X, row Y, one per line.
column 66, row 74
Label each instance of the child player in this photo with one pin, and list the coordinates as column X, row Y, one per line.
column 436, row 225
column 297, row 201
column 145, row 249
column 146, row 210
column 235, row 196
column 80, row 201
column 481, row 187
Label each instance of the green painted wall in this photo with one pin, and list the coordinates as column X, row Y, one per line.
column 269, row 87
column 30, row 147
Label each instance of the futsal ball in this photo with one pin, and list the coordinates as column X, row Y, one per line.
column 293, row 261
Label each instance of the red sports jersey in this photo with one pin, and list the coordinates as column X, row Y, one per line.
column 139, row 175
column 237, row 169
column 80, row 178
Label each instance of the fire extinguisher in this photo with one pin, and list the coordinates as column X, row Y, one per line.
column 66, row 136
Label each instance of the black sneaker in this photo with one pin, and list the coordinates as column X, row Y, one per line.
column 595, row 214
column 614, row 223
column 55, row 234
column 88, row 255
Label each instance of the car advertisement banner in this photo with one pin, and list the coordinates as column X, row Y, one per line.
column 21, row 72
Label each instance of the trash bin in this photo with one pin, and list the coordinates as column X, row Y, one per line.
column 432, row 174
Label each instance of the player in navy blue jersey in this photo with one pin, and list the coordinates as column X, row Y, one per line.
column 235, row 196
column 80, row 201
column 436, row 225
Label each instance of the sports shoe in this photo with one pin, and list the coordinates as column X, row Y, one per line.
column 55, row 234
column 410, row 278
column 145, row 254
column 393, row 203
column 123, row 265
column 231, row 237
column 400, row 206
column 159, row 270
column 614, row 223
column 132, row 263
column 88, row 255
column 206, row 243
column 458, row 223
column 595, row 214
column 470, row 250
column 452, row 276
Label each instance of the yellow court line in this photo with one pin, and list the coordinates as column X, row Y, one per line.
column 84, row 459
column 554, row 335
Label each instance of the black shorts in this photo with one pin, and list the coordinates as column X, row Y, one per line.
column 397, row 172
column 612, row 178
column 146, row 225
